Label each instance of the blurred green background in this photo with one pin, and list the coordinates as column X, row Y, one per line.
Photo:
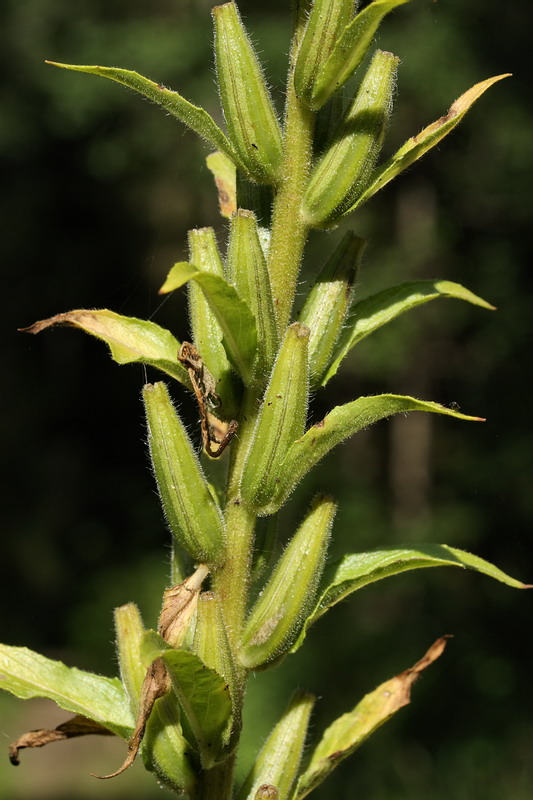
column 99, row 189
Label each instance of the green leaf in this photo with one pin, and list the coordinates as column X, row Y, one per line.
column 194, row 117
column 342, row 422
column 369, row 314
column 416, row 146
column 130, row 340
column 204, row 697
column 233, row 315
column 350, row 49
column 360, row 569
column 224, row 173
column 27, row 674
column 350, row 730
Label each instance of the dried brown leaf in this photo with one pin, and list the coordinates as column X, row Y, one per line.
column 156, row 684
column 77, row 726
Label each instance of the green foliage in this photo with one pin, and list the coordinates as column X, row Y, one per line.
column 187, row 695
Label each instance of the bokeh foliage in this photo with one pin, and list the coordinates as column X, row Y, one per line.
column 99, row 191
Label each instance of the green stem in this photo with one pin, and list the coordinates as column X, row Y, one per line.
column 216, row 783
column 289, row 231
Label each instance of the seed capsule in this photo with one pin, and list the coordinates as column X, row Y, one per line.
column 207, row 333
column 326, row 22
column 190, row 509
column 342, row 173
column 274, row 771
column 327, row 304
column 247, row 270
column 252, row 124
column 281, row 419
column 282, row 607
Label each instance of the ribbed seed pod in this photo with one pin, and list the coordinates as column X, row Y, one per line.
column 250, row 117
column 342, row 173
column 327, row 304
column 207, row 334
column 327, row 20
column 247, row 270
column 165, row 749
column 192, row 514
column 279, row 759
column 286, row 600
column 210, row 637
column 281, row 418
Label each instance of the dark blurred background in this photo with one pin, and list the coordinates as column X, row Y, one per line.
column 99, row 189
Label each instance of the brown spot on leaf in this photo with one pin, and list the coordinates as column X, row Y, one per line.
column 77, row 726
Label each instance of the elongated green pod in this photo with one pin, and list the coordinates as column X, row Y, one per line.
column 207, row 333
column 190, row 509
column 343, row 172
column 327, row 20
column 282, row 608
column 281, row 419
column 211, row 639
column 250, row 117
column 328, row 302
column 165, row 749
column 279, row 759
column 349, row 50
column 247, row 270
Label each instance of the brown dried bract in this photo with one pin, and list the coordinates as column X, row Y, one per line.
column 156, row 684
column 179, row 604
column 203, row 383
column 77, row 726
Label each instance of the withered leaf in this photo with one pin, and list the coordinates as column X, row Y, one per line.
column 179, row 604
column 77, row 726
column 156, row 684
column 350, row 730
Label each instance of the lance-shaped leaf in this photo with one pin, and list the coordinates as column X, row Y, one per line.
column 194, row 117
column 327, row 20
column 349, row 50
column 344, row 170
column 206, row 330
column 250, row 117
column 360, row 569
column 129, row 339
column 247, row 270
column 192, row 513
column 279, row 759
column 223, row 170
column 324, row 311
column 72, row 728
column 232, row 313
column 204, row 698
column 281, row 418
column 283, row 605
column 369, row 314
column 27, row 674
column 416, row 146
column 350, row 730
column 342, row 422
